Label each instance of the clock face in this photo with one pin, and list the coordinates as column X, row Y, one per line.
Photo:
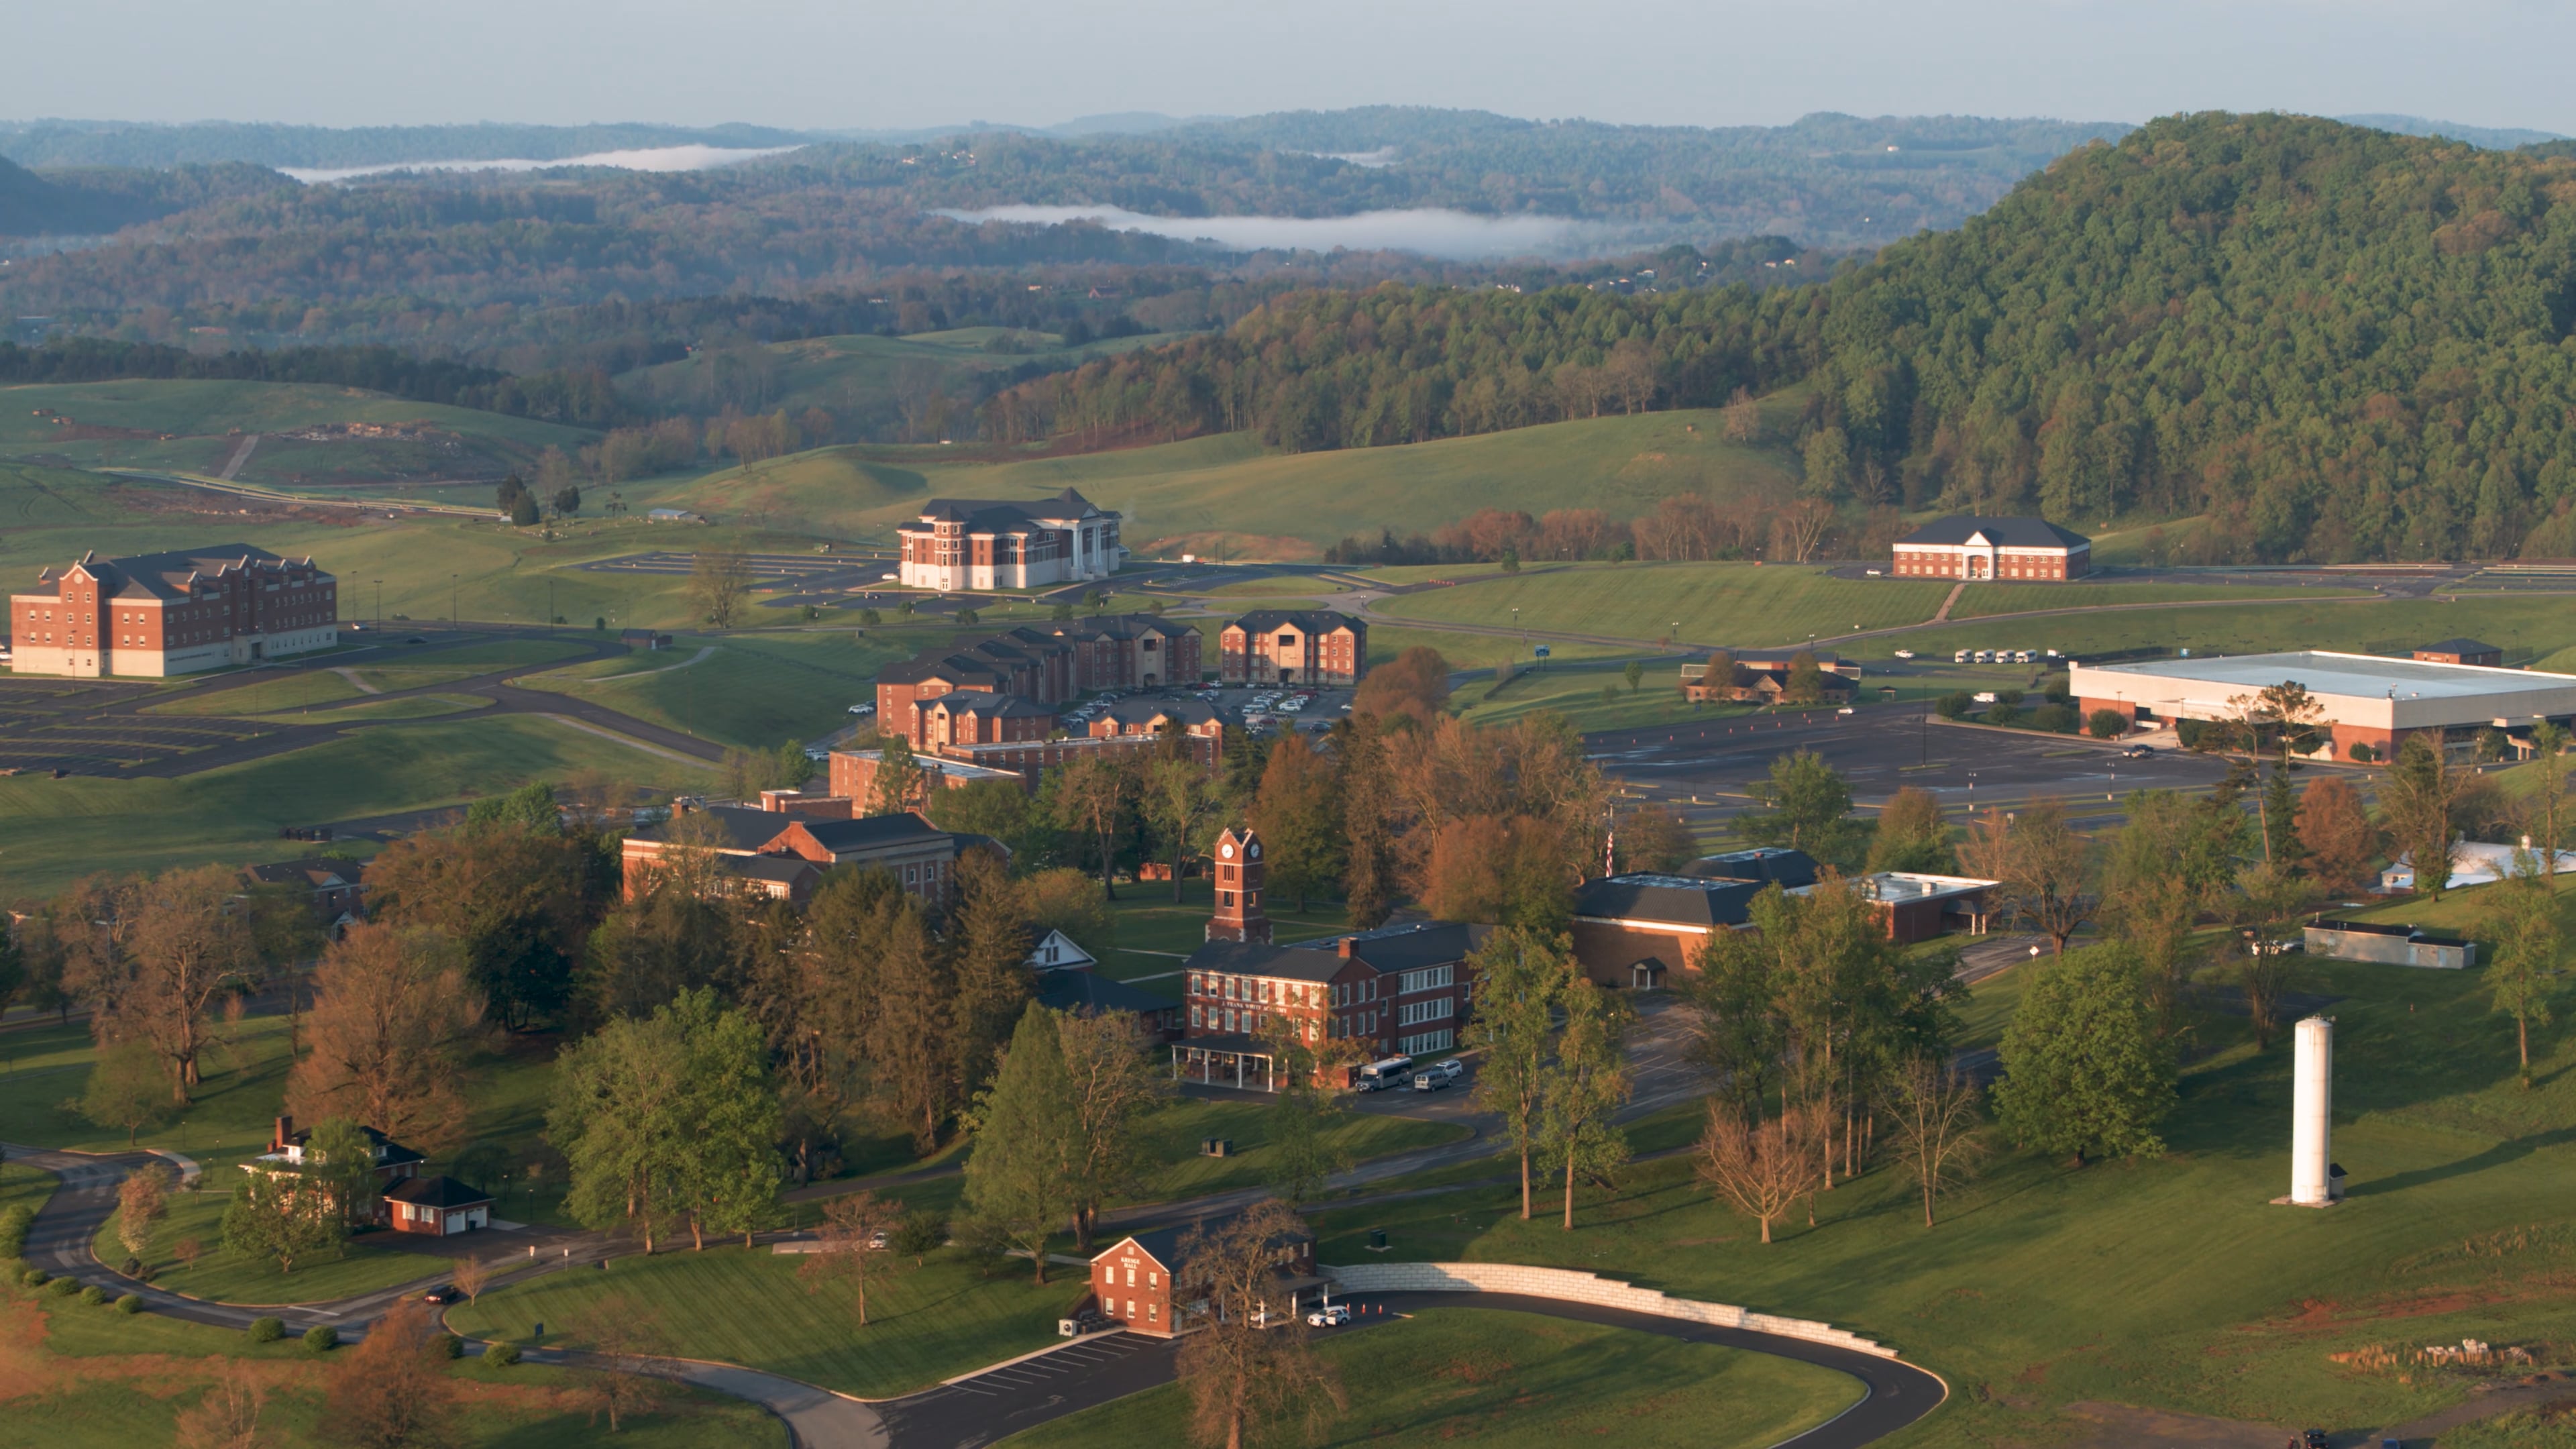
column 1226, row 850
column 1255, row 852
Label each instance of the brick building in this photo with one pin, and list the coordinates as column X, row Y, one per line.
column 783, row 854
column 1395, row 989
column 1046, row 665
column 1969, row 546
column 160, row 614
column 1133, row 1278
column 1293, row 646
column 1131, row 651
column 1762, row 676
column 981, row 543
column 332, row 888
column 979, row 717
column 1636, row 929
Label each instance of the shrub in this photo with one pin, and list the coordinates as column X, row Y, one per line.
column 132, row 1267
column 450, row 1346
column 2191, row 732
column 2011, row 697
column 321, row 1338
column 2055, row 718
column 266, row 1330
column 501, row 1355
column 1954, row 705
column 2363, row 752
column 130, row 1303
column 13, row 1229
column 93, row 1295
column 34, row 1277
column 2003, row 712
column 2106, row 724
column 63, row 1287
column 871, row 617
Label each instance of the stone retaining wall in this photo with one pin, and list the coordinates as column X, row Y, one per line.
column 1574, row 1287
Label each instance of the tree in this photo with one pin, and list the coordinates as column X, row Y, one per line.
column 2083, row 1072
column 1586, row 1085
column 899, row 783
column 129, row 1087
column 2106, row 724
column 276, row 1217
column 1913, row 835
column 1113, row 1087
column 1180, row 805
column 392, row 1025
column 1096, row 795
column 393, row 1390
column 855, row 1226
column 226, row 1416
column 2269, row 900
column 1520, row 976
column 1368, row 832
column 719, row 587
column 628, row 1329
column 2522, row 977
column 517, row 904
column 620, row 1118
column 1806, row 681
column 1933, row 1127
column 568, row 500
column 2043, row 869
column 1298, row 810
column 340, row 1163
column 176, row 944
column 1021, row 1181
column 2417, row 801
column 988, row 959
column 1635, row 674
column 142, row 1199
column 1414, row 685
column 2549, row 784
column 1804, row 805
column 727, row 1170
column 1245, row 1369
column 2342, row 845
column 1761, row 1167
column 471, row 1275
column 1069, row 901
column 1653, row 838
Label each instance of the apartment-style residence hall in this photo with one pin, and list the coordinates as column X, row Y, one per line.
column 1044, row 665
column 1399, row 989
column 1972, row 546
column 159, row 614
column 782, row 848
column 982, row 543
column 1293, row 646
column 1634, row 929
column 2371, row 704
column 409, row 1202
column 1132, row 1279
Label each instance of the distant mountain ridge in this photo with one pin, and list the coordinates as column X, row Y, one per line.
column 2491, row 138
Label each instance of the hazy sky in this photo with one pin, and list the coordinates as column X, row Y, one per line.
column 868, row 63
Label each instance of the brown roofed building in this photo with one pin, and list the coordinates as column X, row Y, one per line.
column 1293, row 646
column 2462, row 651
column 154, row 615
column 772, row 853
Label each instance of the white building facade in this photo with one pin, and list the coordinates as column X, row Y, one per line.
column 962, row 544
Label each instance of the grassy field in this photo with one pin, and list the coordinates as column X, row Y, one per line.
column 747, row 1307
column 859, row 378
column 2170, row 1282
column 1517, row 1381
column 59, row 830
column 1171, row 1138
column 1754, row 606
column 2541, row 624
column 1983, row 599
column 1155, row 931
column 78, row 1377
column 195, row 426
column 364, row 1264
column 1225, row 494
column 1589, row 694
column 755, row 689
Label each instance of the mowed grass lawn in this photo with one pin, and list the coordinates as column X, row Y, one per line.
column 91, row 1378
column 1516, row 1381
column 1983, row 599
column 747, row 1307
column 59, row 830
column 1155, row 932
column 363, row 1264
column 1739, row 604
column 2169, row 1282
column 1590, row 695
column 2542, row 624
column 754, row 690
column 1171, row 1139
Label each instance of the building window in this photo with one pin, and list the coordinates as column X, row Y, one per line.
column 1194, row 1016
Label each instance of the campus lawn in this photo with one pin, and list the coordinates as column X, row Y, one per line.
column 2543, row 624
column 412, row 706
column 363, row 1264
column 1742, row 604
column 1980, row 600
column 1590, row 695
column 756, row 689
column 747, row 1307
column 1155, row 933
column 85, row 1377
column 1171, row 1137
column 60, row 830
column 1520, row 1381
column 2169, row 1282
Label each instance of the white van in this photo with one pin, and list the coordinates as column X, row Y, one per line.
column 1378, row 1076
column 1959, row 658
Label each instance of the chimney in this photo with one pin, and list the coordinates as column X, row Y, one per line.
column 277, row 1141
column 1343, row 947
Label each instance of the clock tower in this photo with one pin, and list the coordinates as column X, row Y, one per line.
column 1238, row 890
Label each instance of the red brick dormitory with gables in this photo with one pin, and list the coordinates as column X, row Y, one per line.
column 1293, row 646
column 160, row 614
column 1040, row 664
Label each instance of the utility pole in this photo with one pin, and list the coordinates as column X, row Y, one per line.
column 451, row 599
column 380, row 601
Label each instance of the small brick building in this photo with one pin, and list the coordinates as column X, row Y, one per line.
column 1134, row 1278
column 1972, row 546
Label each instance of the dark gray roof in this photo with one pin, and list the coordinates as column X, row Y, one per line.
column 1002, row 513
column 986, row 702
column 1120, row 626
column 1678, row 900
column 744, row 829
column 1791, row 868
column 1136, row 710
column 165, row 575
column 2003, row 532
column 317, row 873
column 843, row 836
column 437, row 1192
column 1250, row 958
column 1313, row 621
column 1165, row 1243
column 2458, row 646
column 1408, row 947
column 783, row 869
column 1089, row 991
column 1758, row 658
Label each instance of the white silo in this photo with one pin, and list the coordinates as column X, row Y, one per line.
column 2312, row 1114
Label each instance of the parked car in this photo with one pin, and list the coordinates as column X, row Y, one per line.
column 1846, row 709
column 1331, row 1315
column 1872, row 573
column 1959, row 658
column 1429, row 1081
column 444, row 1293
column 1904, row 653
column 2138, row 752
column 863, row 709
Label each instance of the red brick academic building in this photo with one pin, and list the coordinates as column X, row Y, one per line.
column 1969, row 546
column 160, row 614
column 1293, row 646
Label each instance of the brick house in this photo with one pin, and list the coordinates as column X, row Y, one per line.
column 1293, row 646
column 774, row 853
column 1150, row 717
column 1636, row 929
column 1131, row 651
column 979, row 717
column 335, row 889
column 1972, row 546
column 981, row 544
column 1133, row 1278
column 437, row 1207
column 154, row 615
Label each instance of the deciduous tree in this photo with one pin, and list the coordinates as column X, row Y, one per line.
column 2418, row 801
column 393, row 1391
column 1249, row 1375
column 1520, row 978
column 2043, row 868
column 1298, row 811
column 2523, row 977
column 1114, row 1087
column 2084, row 1073
column 1933, row 1122
column 142, row 1200
column 856, row 1226
column 393, row 1023
column 1586, row 1085
column 129, row 1087
column 1803, row 805
column 1913, row 835
column 1180, row 805
column 719, row 587
column 275, row 1217
column 1763, row 1166
column 227, row 1415
column 1414, row 685
column 1096, row 795
column 2342, row 843
column 1653, row 838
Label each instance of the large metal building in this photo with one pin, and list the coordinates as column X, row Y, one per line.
column 2367, row 699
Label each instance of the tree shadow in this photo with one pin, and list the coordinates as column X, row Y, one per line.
column 2511, row 1150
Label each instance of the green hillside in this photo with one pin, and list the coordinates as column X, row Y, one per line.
column 1752, row 605
column 196, row 426
column 33, row 496
column 865, row 381
column 1227, row 490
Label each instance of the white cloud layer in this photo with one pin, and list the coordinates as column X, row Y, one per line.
column 1432, row 231
column 657, row 158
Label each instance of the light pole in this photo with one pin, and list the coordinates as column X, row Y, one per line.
column 451, row 600
column 380, row 601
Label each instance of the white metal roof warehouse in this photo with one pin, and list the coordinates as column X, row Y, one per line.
column 2367, row 699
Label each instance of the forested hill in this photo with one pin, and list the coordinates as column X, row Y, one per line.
column 2341, row 343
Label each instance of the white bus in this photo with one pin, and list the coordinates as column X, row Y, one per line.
column 1380, row 1075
